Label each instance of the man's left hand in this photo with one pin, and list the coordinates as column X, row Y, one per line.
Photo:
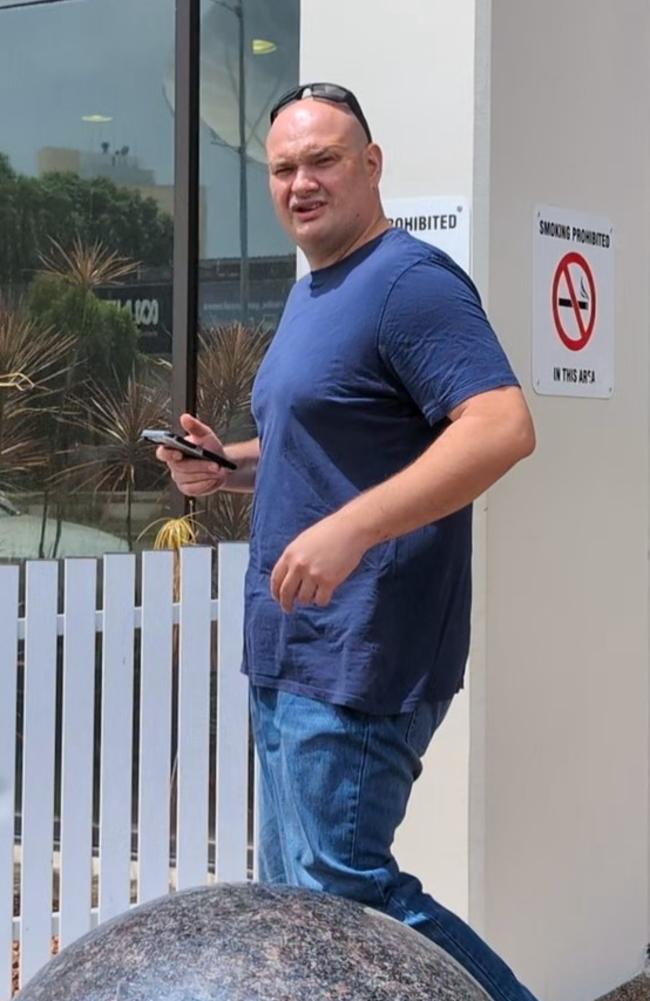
column 316, row 562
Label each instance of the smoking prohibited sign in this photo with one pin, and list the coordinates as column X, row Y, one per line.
column 573, row 304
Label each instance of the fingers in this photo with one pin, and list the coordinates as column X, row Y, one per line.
column 194, row 484
column 277, row 577
column 285, row 583
column 295, row 586
column 199, row 433
column 187, row 467
column 191, row 425
column 287, row 593
column 193, row 477
column 323, row 596
column 306, row 591
column 168, row 455
column 197, row 489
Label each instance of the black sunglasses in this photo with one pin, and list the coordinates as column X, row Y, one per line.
column 328, row 92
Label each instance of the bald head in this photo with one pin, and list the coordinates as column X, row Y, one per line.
column 315, row 113
column 324, row 178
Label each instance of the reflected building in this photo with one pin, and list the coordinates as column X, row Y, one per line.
column 122, row 168
column 148, row 299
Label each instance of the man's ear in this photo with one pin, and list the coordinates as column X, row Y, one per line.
column 374, row 163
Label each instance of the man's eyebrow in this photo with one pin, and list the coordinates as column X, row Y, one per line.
column 322, row 150
column 310, row 154
column 281, row 161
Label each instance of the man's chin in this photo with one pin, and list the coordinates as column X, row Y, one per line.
column 310, row 234
column 310, row 225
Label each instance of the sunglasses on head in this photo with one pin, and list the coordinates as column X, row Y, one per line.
column 328, row 92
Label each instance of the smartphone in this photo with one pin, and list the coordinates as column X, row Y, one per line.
column 172, row 440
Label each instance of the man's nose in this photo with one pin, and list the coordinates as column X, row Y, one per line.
column 304, row 180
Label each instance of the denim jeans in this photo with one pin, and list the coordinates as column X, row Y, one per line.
column 335, row 784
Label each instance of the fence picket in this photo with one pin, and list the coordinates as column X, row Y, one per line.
column 77, row 747
column 193, row 718
column 155, row 725
column 8, row 668
column 116, row 736
column 80, row 624
column 232, row 721
column 38, row 765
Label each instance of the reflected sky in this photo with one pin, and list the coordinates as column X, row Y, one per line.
column 63, row 61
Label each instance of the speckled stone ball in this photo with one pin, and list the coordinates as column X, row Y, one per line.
column 251, row 942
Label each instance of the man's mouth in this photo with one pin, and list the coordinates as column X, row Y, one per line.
column 307, row 210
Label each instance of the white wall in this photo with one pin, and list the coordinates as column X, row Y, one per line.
column 412, row 68
column 514, row 103
column 566, row 822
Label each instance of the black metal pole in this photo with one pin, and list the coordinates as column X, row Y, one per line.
column 243, row 178
column 186, row 214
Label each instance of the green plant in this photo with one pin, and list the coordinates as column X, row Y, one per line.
column 62, row 296
column 101, row 339
column 64, row 206
column 111, row 456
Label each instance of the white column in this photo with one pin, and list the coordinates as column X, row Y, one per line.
column 515, row 104
column 412, row 68
column 566, row 770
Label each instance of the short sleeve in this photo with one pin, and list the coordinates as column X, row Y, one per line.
column 435, row 338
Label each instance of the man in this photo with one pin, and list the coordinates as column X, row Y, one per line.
column 384, row 406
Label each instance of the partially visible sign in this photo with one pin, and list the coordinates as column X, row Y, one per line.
column 150, row 308
column 442, row 221
column 573, row 304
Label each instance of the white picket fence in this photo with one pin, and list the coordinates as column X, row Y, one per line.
column 129, row 640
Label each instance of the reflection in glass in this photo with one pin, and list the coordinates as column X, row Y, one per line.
column 86, row 202
column 268, row 58
column 249, row 57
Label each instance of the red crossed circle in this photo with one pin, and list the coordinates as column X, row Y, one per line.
column 586, row 330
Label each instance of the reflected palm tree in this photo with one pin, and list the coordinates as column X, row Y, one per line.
column 34, row 360
column 102, row 341
column 86, row 266
column 114, row 420
column 228, row 360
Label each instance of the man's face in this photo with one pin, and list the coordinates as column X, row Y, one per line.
column 324, row 177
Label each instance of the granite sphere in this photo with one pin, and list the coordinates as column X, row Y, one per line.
column 252, row 942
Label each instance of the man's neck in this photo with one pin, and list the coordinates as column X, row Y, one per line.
column 378, row 226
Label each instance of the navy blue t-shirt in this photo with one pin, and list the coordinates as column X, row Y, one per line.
column 370, row 357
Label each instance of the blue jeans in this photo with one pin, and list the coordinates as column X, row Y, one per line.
column 335, row 783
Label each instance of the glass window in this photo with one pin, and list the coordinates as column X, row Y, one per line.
column 86, row 228
column 249, row 57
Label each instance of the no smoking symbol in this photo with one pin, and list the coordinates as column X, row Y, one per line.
column 574, row 301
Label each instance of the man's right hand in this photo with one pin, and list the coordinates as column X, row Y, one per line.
column 195, row 477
